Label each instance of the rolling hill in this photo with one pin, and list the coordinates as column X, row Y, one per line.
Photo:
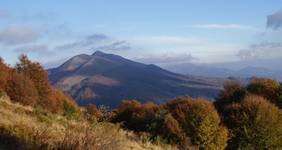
column 221, row 71
column 107, row 79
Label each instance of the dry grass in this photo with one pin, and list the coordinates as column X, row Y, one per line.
column 27, row 128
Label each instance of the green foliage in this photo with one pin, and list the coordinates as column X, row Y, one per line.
column 70, row 111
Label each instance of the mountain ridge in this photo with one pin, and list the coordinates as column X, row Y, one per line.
column 107, row 79
column 223, row 72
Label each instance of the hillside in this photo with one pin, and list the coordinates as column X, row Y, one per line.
column 108, row 79
column 25, row 127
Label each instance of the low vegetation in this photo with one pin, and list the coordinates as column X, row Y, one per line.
column 25, row 127
column 34, row 115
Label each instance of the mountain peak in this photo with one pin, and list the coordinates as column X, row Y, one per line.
column 98, row 53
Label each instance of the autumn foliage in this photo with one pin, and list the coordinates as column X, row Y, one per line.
column 242, row 116
column 21, row 89
column 28, row 84
column 4, row 74
column 176, row 121
column 199, row 121
column 254, row 123
column 252, row 114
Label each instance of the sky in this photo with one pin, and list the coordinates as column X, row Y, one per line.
column 149, row 31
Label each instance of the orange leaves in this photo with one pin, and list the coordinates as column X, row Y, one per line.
column 35, row 72
column 21, row 89
column 4, row 73
column 28, row 84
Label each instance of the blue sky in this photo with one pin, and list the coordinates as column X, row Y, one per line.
column 150, row 31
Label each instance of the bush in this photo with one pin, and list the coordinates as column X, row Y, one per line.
column 254, row 124
column 92, row 113
column 149, row 118
column 134, row 115
column 70, row 110
column 269, row 89
column 200, row 121
column 233, row 92
column 21, row 89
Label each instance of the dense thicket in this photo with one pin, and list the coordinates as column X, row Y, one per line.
column 199, row 121
column 21, row 89
column 4, row 74
column 28, row 84
column 252, row 114
column 148, row 117
column 234, row 92
column 254, row 124
column 176, row 122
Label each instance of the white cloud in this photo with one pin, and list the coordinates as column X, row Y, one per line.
column 263, row 50
column 225, row 26
column 40, row 49
column 17, row 35
column 166, row 58
column 167, row 40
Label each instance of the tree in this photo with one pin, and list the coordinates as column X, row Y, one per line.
column 4, row 74
column 21, row 89
column 254, row 124
column 200, row 121
column 36, row 73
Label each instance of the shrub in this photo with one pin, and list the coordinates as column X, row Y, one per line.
column 269, row 89
column 233, row 92
column 92, row 113
column 70, row 110
column 163, row 126
column 149, row 118
column 21, row 89
column 254, row 124
column 200, row 121
column 134, row 115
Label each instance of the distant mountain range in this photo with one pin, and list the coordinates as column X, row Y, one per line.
column 221, row 72
column 107, row 79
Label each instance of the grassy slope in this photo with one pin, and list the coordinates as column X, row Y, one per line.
column 24, row 127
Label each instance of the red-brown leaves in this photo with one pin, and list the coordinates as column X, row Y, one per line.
column 21, row 89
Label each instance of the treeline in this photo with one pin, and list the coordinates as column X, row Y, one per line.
column 242, row 117
column 27, row 83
